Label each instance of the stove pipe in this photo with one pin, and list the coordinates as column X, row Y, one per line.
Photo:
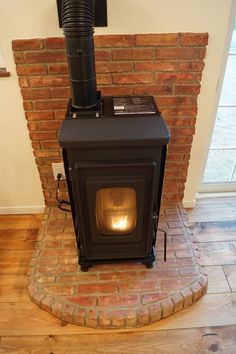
column 78, row 23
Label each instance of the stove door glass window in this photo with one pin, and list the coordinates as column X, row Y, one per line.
column 116, row 211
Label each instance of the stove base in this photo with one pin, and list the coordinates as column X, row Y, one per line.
column 85, row 264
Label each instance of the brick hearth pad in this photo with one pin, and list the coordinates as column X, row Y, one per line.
column 115, row 295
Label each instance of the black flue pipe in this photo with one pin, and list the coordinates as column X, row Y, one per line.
column 78, row 27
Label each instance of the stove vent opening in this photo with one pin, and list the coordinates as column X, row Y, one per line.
column 78, row 27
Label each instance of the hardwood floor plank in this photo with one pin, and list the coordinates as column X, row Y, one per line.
column 230, row 272
column 13, row 294
column 15, row 257
column 13, row 280
column 21, row 239
column 12, row 269
column 215, row 231
column 217, row 253
column 197, row 340
column 217, row 282
column 216, row 200
column 31, row 221
column 212, row 212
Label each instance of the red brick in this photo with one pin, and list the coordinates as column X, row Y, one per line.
column 117, row 90
column 104, row 318
column 184, row 254
column 188, row 297
column 118, row 300
column 132, row 54
column 190, row 66
column 92, row 318
column 113, row 67
column 58, row 68
column 175, row 77
column 194, row 39
column 32, row 126
column 50, row 144
column 167, row 308
column 167, row 39
column 177, row 53
column 27, row 44
column 79, row 316
column 185, row 111
column 28, row 105
column 55, row 43
column 178, row 301
column 43, row 154
column 35, row 94
column 39, row 81
column 202, row 53
column 155, row 312
column 189, row 271
column 175, row 283
column 59, row 289
column 118, row 275
column 143, row 316
column 38, row 115
column 155, row 66
column 101, row 55
column 134, row 78
column 131, row 318
column 136, row 285
column 83, row 300
column 48, row 126
column 43, row 136
column 18, row 58
column 23, row 82
column 46, row 302
column 118, row 318
column 61, row 92
column 97, row 288
column 117, row 40
column 51, row 104
column 44, row 56
column 56, row 309
column 174, row 101
column 153, row 90
column 197, row 291
column 33, row 69
column 187, row 89
column 67, row 312
column 104, row 79
column 149, row 298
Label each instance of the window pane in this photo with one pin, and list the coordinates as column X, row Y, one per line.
column 116, row 211
column 228, row 93
column 220, row 166
column 225, row 128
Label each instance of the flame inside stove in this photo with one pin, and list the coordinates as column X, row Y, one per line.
column 116, row 211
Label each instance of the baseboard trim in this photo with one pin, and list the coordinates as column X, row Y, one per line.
column 189, row 203
column 37, row 209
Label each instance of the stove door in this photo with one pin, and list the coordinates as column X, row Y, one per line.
column 115, row 203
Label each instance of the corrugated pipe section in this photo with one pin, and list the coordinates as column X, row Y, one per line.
column 78, row 27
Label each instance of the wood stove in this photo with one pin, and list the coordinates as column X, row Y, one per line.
column 114, row 151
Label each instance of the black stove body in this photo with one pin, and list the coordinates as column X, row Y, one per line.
column 114, row 161
column 114, row 151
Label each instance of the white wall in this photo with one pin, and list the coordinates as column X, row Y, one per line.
column 19, row 181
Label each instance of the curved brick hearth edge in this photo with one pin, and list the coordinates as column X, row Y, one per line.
column 120, row 295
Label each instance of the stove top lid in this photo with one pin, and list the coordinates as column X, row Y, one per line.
column 114, row 132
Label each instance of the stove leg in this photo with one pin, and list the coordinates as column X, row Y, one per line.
column 148, row 264
column 84, row 268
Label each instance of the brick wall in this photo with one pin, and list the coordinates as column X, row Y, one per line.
column 167, row 66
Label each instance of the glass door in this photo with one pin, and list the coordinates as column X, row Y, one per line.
column 220, row 172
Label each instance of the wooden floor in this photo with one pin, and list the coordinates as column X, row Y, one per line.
column 207, row 326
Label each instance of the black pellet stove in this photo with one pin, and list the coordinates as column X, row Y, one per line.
column 114, row 151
